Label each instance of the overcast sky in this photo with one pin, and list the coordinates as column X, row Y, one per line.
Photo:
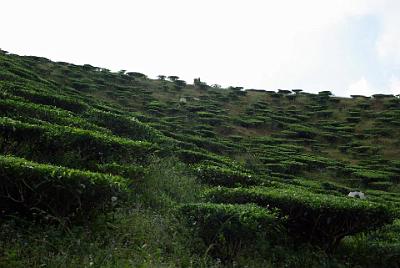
column 347, row 46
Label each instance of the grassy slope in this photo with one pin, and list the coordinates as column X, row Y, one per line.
column 317, row 143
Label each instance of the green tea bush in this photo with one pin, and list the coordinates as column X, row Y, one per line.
column 22, row 110
column 123, row 126
column 365, row 150
column 69, row 146
column 315, row 162
column 249, row 122
column 215, row 175
column 380, row 185
column 318, row 218
column 375, row 249
column 353, row 119
column 193, row 157
column 30, row 188
column 302, row 131
column 135, row 173
column 368, row 176
column 324, row 113
column 24, row 73
column 57, row 100
column 227, row 229
column 293, row 167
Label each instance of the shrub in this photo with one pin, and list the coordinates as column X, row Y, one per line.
column 324, row 113
column 193, row 157
column 353, row 119
column 134, row 173
column 302, row 131
column 315, row 162
column 364, row 150
column 227, row 228
column 319, row 218
column 24, row 110
column 46, row 98
column 215, row 175
column 124, row 126
column 380, row 185
column 292, row 167
column 69, row 146
column 28, row 187
column 368, row 176
column 136, row 75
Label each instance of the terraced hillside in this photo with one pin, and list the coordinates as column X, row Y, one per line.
column 101, row 168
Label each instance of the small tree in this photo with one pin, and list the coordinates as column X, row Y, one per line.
column 297, row 91
column 161, row 77
column 136, row 75
column 236, row 88
column 173, row 78
column 382, row 96
column 358, row 97
column 179, row 84
column 88, row 67
column 284, row 91
column 325, row 93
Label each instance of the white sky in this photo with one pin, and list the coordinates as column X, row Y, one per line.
column 347, row 46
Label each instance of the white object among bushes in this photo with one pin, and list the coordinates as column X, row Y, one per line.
column 360, row 195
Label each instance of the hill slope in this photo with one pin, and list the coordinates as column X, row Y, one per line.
column 118, row 169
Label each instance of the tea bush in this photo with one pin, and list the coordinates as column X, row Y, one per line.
column 69, row 146
column 53, row 192
column 318, row 218
column 215, row 175
column 226, row 229
column 123, row 125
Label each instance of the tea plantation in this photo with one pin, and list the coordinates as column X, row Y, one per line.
column 115, row 169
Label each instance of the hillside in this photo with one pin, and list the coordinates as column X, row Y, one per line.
column 101, row 168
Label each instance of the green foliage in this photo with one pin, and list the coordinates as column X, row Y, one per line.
column 68, row 146
column 226, row 229
column 371, row 176
column 135, row 173
column 193, row 157
column 311, row 150
column 54, row 192
column 166, row 183
column 318, row 218
column 215, row 175
column 23, row 110
column 45, row 98
column 302, row 131
column 375, row 249
column 132, row 237
column 124, row 126
column 136, row 75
